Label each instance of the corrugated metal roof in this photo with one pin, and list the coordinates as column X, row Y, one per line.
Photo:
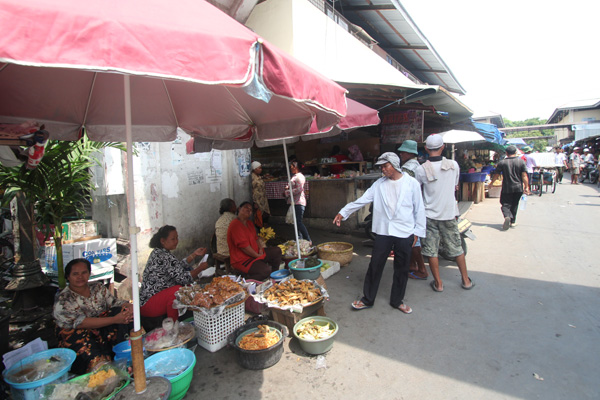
column 559, row 113
column 391, row 26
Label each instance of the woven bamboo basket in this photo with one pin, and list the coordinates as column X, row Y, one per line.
column 336, row 251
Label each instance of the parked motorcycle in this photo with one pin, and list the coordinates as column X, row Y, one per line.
column 589, row 172
column 464, row 227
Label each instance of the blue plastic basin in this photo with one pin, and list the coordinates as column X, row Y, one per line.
column 176, row 365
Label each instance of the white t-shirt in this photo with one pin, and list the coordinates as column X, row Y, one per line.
column 438, row 195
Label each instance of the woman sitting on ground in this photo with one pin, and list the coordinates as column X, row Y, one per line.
column 165, row 274
column 247, row 254
column 89, row 319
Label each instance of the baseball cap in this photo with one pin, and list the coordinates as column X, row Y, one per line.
column 586, row 149
column 526, row 149
column 409, row 146
column 434, row 142
column 391, row 158
column 254, row 165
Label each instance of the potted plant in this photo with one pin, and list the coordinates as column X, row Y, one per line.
column 60, row 186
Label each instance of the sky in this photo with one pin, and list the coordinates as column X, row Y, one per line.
column 522, row 59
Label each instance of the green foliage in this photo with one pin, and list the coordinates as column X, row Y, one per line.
column 537, row 144
column 60, row 186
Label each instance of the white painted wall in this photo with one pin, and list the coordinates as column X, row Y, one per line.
column 303, row 31
column 174, row 188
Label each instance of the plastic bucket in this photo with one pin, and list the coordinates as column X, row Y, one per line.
column 33, row 390
column 306, row 273
column 280, row 275
column 177, row 365
column 318, row 346
column 258, row 359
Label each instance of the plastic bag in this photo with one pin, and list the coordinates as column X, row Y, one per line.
column 289, row 217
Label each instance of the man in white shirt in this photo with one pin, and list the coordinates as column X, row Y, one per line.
column 398, row 220
column 560, row 160
column 439, row 177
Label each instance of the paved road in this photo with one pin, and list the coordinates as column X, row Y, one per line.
column 533, row 312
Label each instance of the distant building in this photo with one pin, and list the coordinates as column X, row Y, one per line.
column 582, row 115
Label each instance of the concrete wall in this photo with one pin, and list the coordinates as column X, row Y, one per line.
column 303, row 31
column 171, row 188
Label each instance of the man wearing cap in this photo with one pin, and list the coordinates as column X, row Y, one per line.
column 408, row 157
column 575, row 160
column 259, row 195
column 439, row 177
column 398, row 220
column 515, row 181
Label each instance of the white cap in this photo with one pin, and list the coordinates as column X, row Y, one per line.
column 434, row 141
column 254, row 165
column 586, row 149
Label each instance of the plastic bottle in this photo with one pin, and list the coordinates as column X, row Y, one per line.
column 523, row 202
column 35, row 154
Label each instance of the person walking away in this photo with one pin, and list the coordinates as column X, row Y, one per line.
column 575, row 164
column 439, row 178
column 515, row 182
column 529, row 162
column 560, row 160
column 297, row 192
column 408, row 157
column 398, row 221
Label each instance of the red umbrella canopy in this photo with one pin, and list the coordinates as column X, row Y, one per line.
column 191, row 66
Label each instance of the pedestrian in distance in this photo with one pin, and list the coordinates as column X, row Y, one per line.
column 560, row 160
column 575, row 161
column 515, row 182
column 398, row 221
column 439, row 178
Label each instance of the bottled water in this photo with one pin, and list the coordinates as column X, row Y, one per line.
column 523, row 202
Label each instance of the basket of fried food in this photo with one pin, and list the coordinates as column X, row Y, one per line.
column 292, row 294
column 212, row 298
column 259, row 344
column 336, row 251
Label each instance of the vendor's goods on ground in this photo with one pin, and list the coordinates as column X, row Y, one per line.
column 289, row 249
column 100, row 384
column 292, row 292
column 171, row 334
column 263, row 338
column 312, row 330
column 216, row 293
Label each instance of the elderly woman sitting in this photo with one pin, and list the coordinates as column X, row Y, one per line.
column 165, row 274
column 246, row 253
column 89, row 319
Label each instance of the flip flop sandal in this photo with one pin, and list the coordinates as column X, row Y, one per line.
column 359, row 305
column 412, row 275
column 468, row 287
column 407, row 309
column 435, row 289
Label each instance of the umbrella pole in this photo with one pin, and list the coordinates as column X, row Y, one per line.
column 287, row 169
column 137, row 356
column 453, row 150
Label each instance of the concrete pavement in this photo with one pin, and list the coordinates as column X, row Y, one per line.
column 530, row 329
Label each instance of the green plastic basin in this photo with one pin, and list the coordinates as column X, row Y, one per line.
column 318, row 346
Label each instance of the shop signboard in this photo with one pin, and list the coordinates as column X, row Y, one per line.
column 399, row 126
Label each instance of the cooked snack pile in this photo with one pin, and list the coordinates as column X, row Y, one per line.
column 314, row 331
column 98, row 378
column 211, row 295
column 263, row 338
column 292, row 292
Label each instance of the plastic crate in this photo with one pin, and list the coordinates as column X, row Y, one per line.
column 212, row 331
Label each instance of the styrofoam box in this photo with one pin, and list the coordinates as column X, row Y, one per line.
column 334, row 268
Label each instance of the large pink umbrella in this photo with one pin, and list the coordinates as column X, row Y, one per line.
column 143, row 69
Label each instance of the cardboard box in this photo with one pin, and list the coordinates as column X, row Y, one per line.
column 79, row 229
column 101, row 253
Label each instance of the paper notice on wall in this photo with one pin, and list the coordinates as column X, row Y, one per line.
column 215, row 187
column 215, row 160
column 113, row 171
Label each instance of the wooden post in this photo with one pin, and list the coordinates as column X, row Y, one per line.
column 137, row 360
